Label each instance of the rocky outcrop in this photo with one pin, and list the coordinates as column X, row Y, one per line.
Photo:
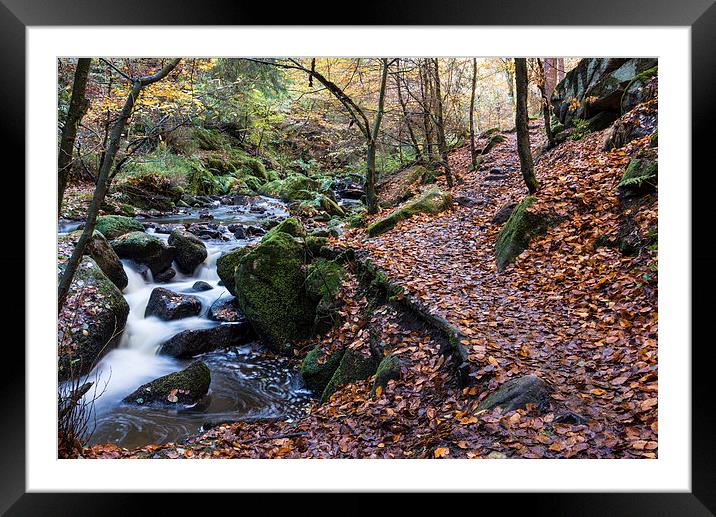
column 598, row 85
column 112, row 226
column 432, row 201
column 190, row 250
column 523, row 225
column 168, row 305
column 185, row 387
column 318, row 368
column 97, row 331
column 641, row 175
column 190, row 343
column 150, row 192
column 145, row 249
column 638, row 123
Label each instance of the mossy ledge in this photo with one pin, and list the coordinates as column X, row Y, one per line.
column 432, row 201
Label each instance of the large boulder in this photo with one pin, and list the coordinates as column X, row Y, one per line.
column 91, row 333
column 517, row 393
column 168, row 305
column 185, row 387
column 640, row 122
column 190, row 250
column 523, row 225
column 270, row 290
column 323, row 279
column 402, row 185
column 294, row 187
column 226, row 267
column 190, row 343
column 599, row 84
column 112, row 226
column 432, row 201
column 145, row 249
column 99, row 249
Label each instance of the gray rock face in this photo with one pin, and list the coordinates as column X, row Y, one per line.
column 185, row 387
column 168, row 305
column 190, row 251
column 190, row 343
column 517, row 393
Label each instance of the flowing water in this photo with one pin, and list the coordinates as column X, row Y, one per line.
column 245, row 382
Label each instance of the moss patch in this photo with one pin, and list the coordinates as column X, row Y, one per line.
column 640, row 176
column 226, row 267
column 112, row 226
column 432, row 201
column 318, row 368
column 184, row 387
column 389, row 368
column 353, row 367
column 516, row 234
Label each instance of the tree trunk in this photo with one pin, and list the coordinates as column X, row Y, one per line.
column 440, row 123
column 546, row 86
column 426, row 112
column 78, row 106
column 371, row 197
column 406, row 116
column 473, row 153
column 103, row 178
column 521, row 123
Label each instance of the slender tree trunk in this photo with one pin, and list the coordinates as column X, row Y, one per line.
column 406, row 116
column 370, row 194
column 440, row 123
column 103, row 178
column 473, row 152
column 426, row 111
column 544, row 87
column 521, row 123
column 78, row 105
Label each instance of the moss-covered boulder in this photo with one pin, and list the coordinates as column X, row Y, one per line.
column 270, row 291
column 388, row 369
column 99, row 330
column 318, row 367
column 190, row 250
column 403, row 184
column 354, row 366
column 323, row 279
column 432, row 201
column 145, row 249
column 517, row 393
column 522, row 226
column 99, row 249
column 291, row 226
column 640, row 176
column 112, row 226
column 226, row 267
column 185, row 387
column 492, row 141
column 150, row 191
column 294, row 187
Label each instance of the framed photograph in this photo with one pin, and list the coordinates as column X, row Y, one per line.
column 430, row 251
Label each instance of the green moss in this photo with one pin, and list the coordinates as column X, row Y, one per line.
column 208, row 139
column 291, row 226
column 145, row 249
column 516, row 234
column 354, row 366
column 493, row 140
column 314, row 244
column 640, row 176
column 187, row 387
column 112, row 226
column 654, row 140
column 389, row 368
column 432, row 201
column 270, row 290
column 226, row 266
column 317, row 368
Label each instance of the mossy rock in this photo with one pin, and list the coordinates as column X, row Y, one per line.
column 354, row 366
column 295, row 187
column 104, row 324
column 517, row 393
column 432, row 201
column 291, row 226
column 488, row 132
column 388, row 369
column 492, row 142
column 405, row 184
column 314, row 244
column 317, row 368
column 112, row 226
column 270, row 291
column 640, row 176
column 516, row 234
column 145, row 249
column 226, row 266
column 104, row 256
column 323, row 280
column 190, row 250
column 185, row 387
column 208, row 139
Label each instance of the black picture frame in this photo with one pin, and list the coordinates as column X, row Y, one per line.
column 700, row 15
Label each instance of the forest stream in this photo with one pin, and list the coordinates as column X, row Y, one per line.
column 245, row 382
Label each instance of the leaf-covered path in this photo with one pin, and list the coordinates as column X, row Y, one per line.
column 581, row 317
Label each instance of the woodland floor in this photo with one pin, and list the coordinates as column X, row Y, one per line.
column 582, row 318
